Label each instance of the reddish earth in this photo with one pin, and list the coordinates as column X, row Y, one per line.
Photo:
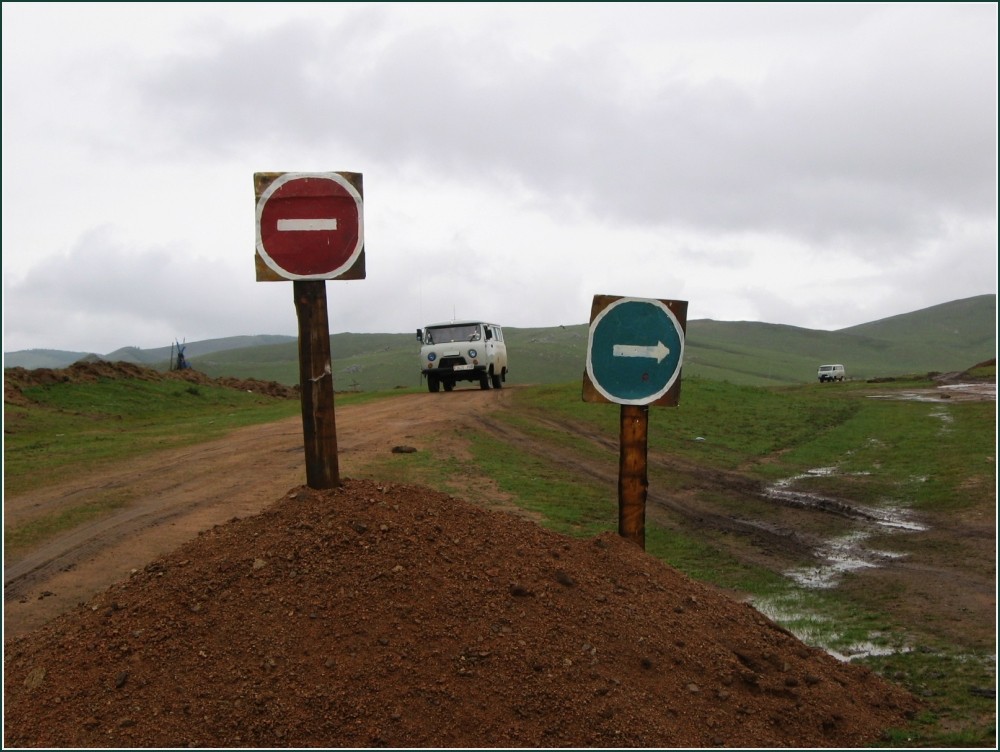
column 221, row 608
column 385, row 615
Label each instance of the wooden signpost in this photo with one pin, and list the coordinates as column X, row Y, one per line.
column 635, row 349
column 310, row 228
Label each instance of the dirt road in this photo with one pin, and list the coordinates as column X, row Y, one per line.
column 171, row 496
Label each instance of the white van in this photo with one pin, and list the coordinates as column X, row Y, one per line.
column 462, row 351
column 831, row 373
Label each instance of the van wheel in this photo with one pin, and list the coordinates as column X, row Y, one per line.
column 449, row 385
column 497, row 381
column 433, row 384
column 484, row 381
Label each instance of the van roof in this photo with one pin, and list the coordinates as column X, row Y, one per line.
column 467, row 322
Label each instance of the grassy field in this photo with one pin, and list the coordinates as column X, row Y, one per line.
column 884, row 448
column 738, row 351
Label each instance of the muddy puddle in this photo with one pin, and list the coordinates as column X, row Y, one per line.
column 846, row 553
column 834, row 558
column 792, row 611
column 890, row 517
column 839, row 556
column 957, row 392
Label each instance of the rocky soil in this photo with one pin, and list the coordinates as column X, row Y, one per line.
column 393, row 615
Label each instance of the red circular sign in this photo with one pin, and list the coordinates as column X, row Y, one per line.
column 310, row 225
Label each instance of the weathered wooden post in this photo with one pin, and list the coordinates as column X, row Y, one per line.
column 310, row 228
column 634, row 353
column 633, row 480
column 319, row 424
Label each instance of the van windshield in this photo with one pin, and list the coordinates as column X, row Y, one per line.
column 439, row 335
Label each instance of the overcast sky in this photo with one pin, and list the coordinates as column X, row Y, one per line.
column 819, row 165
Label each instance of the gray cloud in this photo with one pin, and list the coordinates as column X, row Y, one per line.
column 105, row 292
column 752, row 158
column 869, row 141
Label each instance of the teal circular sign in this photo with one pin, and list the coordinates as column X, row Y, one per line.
column 634, row 351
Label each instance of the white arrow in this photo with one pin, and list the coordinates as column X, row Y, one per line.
column 658, row 351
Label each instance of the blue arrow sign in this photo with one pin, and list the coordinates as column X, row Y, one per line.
column 634, row 351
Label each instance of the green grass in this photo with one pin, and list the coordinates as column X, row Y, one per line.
column 723, row 425
column 706, row 563
column 427, row 467
column 955, row 686
column 983, row 372
column 567, row 504
column 826, row 619
column 923, row 451
column 776, row 432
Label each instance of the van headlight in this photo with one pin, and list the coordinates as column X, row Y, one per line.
column 473, row 353
column 431, row 357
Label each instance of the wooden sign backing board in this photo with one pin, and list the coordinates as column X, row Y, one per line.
column 262, row 181
column 672, row 397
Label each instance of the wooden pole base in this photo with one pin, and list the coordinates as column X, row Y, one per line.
column 633, row 481
column 319, row 425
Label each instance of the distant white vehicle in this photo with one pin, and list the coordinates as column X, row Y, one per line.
column 831, row 373
column 462, row 351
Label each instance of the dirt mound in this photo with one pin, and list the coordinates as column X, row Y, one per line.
column 270, row 388
column 376, row 615
column 90, row 371
column 992, row 362
column 968, row 376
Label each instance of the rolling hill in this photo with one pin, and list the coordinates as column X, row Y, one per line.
column 156, row 356
column 948, row 337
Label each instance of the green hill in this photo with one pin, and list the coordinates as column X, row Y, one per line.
column 195, row 349
column 948, row 337
column 36, row 358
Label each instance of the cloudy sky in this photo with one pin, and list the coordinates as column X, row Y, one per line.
column 819, row 165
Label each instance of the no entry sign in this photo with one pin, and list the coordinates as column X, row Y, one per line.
column 310, row 226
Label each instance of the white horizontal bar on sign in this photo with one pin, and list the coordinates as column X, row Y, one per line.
column 306, row 225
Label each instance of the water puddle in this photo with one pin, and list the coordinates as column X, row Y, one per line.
column 983, row 391
column 838, row 557
column 957, row 392
column 800, row 612
column 848, row 553
column 819, row 630
column 928, row 396
column 945, row 416
column 865, row 650
column 891, row 517
column 835, row 558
